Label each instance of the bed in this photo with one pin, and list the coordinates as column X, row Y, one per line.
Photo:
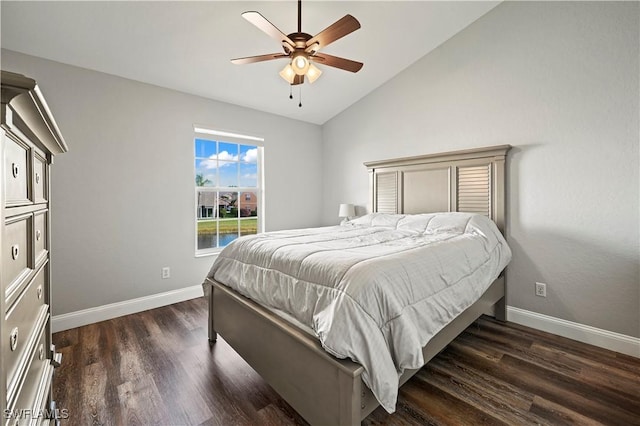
column 323, row 388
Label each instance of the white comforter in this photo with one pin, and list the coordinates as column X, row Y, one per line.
column 375, row 289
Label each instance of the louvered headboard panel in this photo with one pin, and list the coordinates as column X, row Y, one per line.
column 387, row 192
column 472, row 181
column 474, row 189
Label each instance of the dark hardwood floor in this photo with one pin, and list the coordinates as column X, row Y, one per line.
column 157, row 368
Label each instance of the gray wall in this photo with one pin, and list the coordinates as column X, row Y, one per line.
column 558, row 81
column 123, row 196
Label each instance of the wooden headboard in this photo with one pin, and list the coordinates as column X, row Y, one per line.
column 471, row 181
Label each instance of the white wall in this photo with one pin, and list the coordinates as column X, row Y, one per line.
column 559, row 82
column 123, row 196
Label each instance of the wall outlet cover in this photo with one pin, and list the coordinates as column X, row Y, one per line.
column 166, row 272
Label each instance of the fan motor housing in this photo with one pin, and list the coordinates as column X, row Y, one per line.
column 300, row 39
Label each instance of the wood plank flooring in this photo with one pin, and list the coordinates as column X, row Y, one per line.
column 157, row 368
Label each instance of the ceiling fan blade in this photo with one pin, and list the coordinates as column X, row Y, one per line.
column 263, row 23
column 337, row 62
column 260, row 58
column 335, row 31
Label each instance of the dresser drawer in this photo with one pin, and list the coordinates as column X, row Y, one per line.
column 40, row 224
column 16, row 253
column 28, row 407
column 23, row 319
column 39, row 179
column 16, row 173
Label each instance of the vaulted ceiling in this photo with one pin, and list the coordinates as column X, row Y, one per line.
column 187, row 46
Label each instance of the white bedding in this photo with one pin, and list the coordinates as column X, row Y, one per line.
column 375, row 289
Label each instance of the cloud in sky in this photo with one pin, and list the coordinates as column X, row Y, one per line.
column 211, row 162
column 225, row 156
column 251, row 156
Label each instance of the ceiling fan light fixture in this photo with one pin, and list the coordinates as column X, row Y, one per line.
column 313, row 73
column 288, row 74
column 301, row 48
column 300, row 63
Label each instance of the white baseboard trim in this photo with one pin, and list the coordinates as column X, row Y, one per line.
column 583, row 333
column 101, row 313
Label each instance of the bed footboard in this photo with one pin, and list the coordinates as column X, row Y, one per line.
column 321, row 388
column 213, row 335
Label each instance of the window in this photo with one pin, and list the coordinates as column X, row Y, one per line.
column 228, row 181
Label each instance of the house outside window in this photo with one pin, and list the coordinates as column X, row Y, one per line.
column 228, row 187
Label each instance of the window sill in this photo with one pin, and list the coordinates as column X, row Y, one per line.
column 208, row 254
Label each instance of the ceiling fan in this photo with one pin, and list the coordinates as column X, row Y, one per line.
column 302, row 49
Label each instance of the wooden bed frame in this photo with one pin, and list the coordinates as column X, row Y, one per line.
column 325, row 390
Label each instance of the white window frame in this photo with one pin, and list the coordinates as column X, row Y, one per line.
column 204, row 132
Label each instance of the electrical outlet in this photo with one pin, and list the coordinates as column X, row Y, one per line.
column 541, row 289
column 166, row 272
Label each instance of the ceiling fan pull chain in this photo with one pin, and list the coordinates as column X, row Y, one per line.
column 290, row 91
column 300, row 97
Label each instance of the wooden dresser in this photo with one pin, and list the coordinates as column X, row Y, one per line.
column 30, row 139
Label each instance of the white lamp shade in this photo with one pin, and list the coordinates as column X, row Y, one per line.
column 347, row 210
column 288, row 74
column 313, row 73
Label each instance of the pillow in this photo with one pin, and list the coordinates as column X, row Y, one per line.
column 386, row 220
column 482, row 225
column 452, row 222
column 415, row 222
column 362, row 220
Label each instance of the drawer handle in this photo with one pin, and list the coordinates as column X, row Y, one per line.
column 37, row 177
column 15, row 170
column 39, row 292
column 41, row 353
column 13, row 339
column 38, row 235
column 15, row 251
